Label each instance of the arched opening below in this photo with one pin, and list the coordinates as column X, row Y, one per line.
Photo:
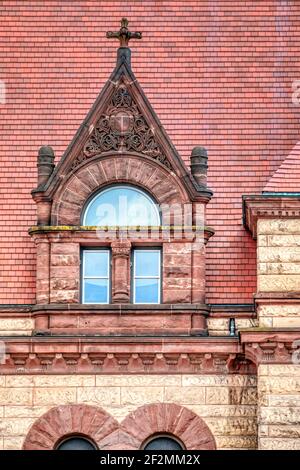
column 163, row 442
column 76, row 443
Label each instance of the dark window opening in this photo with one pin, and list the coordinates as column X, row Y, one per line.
column 76, row 443
column 163, row 443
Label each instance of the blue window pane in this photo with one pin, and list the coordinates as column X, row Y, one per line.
column 121, row 205
column 147, row 263
column 147, row 291
column 96, row 291
column 96, row 263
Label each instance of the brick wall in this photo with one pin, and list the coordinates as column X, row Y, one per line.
column 224, row 81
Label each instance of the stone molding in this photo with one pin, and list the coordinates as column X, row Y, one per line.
column 268, row 207
column 86, row 355
column 273, row 346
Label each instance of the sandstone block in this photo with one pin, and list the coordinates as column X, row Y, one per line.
column 279, row 385
column 15, row 426
column 279, row 444
column 54, row 396
column 13, row 443
column 276, row 415
column 64, row 380
column 284, row 240
column 287, row 370
column 138, row 380
column 25, row 411
column 236, row 442
column 16, row 396
column 279, row 310
column 141, row 395
column 185, row 396
column 224, row 411
column 278, row 283
column 286, row 431
column 217, row 395
column 219, row 380
column 278, row 226
column 15, row 324
column 290, row 254
column 232, row 426
column 103, row 397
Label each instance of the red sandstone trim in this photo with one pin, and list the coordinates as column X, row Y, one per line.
column 168, row 418
column 86, row 420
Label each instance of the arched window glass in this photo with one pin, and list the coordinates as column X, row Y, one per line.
column 163, row 442
column 121, row 205
column 76, row 443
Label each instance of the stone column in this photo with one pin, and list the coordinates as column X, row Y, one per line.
column 121, row 271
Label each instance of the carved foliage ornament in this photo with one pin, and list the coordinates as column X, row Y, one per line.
column 122, row 128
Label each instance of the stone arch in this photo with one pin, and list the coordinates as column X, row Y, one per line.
column 149, row 420
column 85, row 420
column 96, row 173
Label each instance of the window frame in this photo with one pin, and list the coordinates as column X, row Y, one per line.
column 119, row 185
column 133, row 277
column 83, row 277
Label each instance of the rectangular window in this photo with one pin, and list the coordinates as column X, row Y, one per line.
column 146, row 276
column 95, row 276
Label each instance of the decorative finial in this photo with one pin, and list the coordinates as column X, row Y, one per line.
column 124, row 35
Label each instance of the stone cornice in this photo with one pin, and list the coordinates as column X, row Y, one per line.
column 271, row 346
column 268, row 207
column 87, row 355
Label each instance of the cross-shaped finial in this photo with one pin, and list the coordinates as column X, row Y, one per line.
column 124, row 35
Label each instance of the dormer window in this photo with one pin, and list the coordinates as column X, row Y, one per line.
column 121, row 205
column 96, row 276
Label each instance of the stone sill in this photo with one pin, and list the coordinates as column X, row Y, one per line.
column 132, row 308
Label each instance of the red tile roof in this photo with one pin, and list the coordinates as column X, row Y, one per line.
column 217, row 73
column 286, row 178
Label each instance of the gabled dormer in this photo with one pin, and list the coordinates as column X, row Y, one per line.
column 146, row 255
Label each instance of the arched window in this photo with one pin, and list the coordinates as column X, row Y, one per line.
column 121, row 205
column 76, row 443
column 163, row 442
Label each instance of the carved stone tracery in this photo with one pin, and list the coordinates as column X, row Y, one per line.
column 122, row 128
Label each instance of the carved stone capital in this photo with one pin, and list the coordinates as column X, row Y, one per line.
column 277, row 346
column 120, row 249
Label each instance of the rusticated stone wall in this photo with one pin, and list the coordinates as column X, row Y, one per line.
column 279, row 407
column 278, row 268
column 227, row 404
column 278, row 255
